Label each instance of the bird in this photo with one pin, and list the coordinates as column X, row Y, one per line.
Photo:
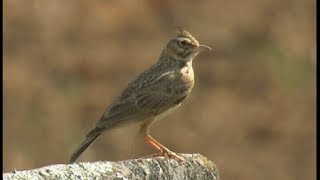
column 153, row 94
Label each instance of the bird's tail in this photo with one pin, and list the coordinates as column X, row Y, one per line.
column 93, row 135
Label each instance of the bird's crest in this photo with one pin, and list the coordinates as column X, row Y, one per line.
column 186, row 34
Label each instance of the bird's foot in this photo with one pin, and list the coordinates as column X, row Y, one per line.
column 167, row 154
column 162, row 150
column 170, row 154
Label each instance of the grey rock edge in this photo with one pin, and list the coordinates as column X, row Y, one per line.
column 195, row 166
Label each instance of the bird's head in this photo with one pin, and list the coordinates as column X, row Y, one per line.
column 184, row 46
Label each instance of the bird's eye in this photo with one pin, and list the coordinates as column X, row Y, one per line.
column 184, row 43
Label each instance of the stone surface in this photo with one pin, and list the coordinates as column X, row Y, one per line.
column 195, row 166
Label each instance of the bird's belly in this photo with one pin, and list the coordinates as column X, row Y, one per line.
column 186, row 79
column 166, row 113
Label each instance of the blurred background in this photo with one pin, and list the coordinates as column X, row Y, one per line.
column 252, row 110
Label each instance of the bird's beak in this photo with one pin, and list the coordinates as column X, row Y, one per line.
column 202, row 46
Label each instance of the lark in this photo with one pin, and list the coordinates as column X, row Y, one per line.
column 153, row 94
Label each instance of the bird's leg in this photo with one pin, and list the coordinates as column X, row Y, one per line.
column 162, row 150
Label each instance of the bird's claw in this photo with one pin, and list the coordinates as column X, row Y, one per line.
column 167, row 154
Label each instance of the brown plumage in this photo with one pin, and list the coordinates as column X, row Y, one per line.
column 152, row 95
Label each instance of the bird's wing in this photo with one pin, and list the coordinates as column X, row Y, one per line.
column 161, row 94
column 120, row 111
column 151, row 97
